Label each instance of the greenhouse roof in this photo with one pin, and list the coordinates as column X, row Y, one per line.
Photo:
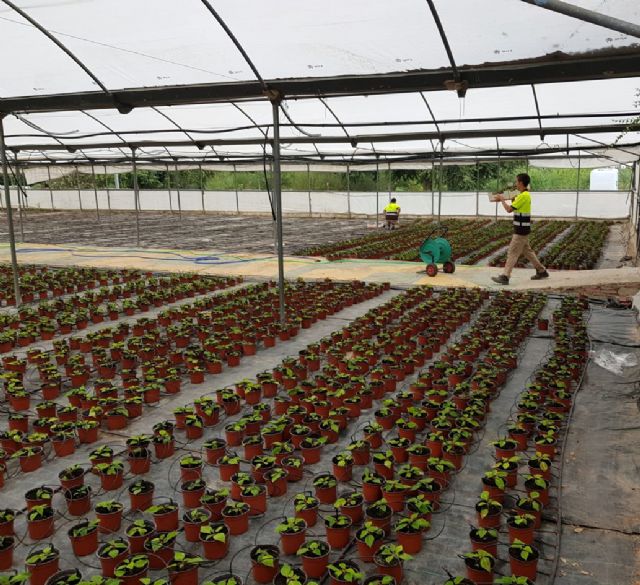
column 362, row 82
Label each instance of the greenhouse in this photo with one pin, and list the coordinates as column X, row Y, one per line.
column 339, row 292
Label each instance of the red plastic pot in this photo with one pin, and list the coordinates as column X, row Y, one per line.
column 111, row 482
column 192, row 529
column 214, row 550
column 139, row 465
column 479, row 577
column 291, row 542
column 166, row 522
column 109, row 564
column 6, row 557
column 237, row 524
column 411, row 542
column 30, row 463
column 326, row 495
column 262, row 573
column 186, row 577
column 109, row 523
column 78, row 506
column 38, row 574
column 519, row 568
column 40, row 529
column 315, row 567
column 338, row 538
column 366, row 552
column 84, row 545
column 309, row 515
column 396, row 571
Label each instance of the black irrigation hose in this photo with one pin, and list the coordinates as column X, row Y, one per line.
column 552, row 576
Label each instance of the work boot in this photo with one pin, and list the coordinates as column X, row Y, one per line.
column 502, row 279
column 540, row 275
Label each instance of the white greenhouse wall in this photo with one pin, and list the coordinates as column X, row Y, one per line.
column 590, row 204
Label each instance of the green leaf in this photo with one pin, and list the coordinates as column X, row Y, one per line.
column 485, row 563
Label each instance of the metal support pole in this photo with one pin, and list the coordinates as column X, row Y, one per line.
column 178, row 191
column 202, row 187
column 348, row 193
column 78, row 186
column 136, row 194
column 95, row 190
column 440, row 181
column 277, row 192
column 50, row 188
column 12, row 236
column 20, row 204
column 106, row 182
column 433, row 190
column 377, row 196
column 235, row 186
column 586, row 15
column 168, row 177
column 389, row 179
column 309, row 188
column 578, row 187
column 477, row 188
column 498, row 181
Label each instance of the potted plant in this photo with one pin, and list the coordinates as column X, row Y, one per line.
column 288, row 575
column 343, row 466
column 484, row 539
column 40, row 522
column 159, row 547
column 409, row 533
column 215, row 540
column 350, row 504
column 343, row 572
column 109, row 516
column 183, row 568
column 521, row 527
column 132, row 569
column 379, row 513
column 479, row 566
column 138, row 532
column 390, row 560
column 111, row 554
column 84, row 538
column 315, row 558
column 140, row 494
column 265, row 561
column 326, row 488
column 394, row 492
column 372, row 485
column 7, row 516
column 42, row 563
column 338, row 529
column 369, row 539
column 192, row 492
column 488, row 511
column 7, row 544
column 165, row 516
column 292, row 533
column 523, row 560
column 236, row 517
column 193, row 520
column 78, row 500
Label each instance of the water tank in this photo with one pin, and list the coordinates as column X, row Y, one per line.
column 604, row 180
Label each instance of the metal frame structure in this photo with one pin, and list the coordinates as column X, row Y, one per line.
column 601, row 64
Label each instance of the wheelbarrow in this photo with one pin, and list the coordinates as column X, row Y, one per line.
column 435, row 250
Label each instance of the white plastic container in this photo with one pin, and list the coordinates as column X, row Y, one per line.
column 604, row 180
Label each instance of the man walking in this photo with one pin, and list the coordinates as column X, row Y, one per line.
column 392, row 215
column 519, row 246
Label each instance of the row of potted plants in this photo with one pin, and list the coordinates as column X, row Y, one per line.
column 41, row 282
column 541, row 410
column 60, row 316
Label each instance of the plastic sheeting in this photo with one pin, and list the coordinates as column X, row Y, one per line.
column 150, row 43
column 159, row 43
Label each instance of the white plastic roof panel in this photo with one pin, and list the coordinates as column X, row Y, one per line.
column 152, row 43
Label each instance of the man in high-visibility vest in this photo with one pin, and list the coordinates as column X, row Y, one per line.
column 519, row 246
column 392, row 214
